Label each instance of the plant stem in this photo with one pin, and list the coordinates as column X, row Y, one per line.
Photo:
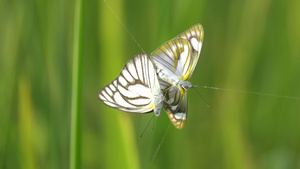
column 75, row 139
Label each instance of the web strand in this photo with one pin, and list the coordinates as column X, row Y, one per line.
column 249, row 92
column 158, row 147
column 152, row 118
column 124, row 26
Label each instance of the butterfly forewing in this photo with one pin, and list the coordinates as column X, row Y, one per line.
column 178, row 58
column 195, row 36
column 174, row 58
column 136, row 89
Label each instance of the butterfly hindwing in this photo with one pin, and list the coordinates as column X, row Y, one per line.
column 176, row 105
column 136, row 89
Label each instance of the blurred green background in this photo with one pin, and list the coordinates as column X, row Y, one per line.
column 250, row 45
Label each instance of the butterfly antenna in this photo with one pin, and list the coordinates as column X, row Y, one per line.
column 152, row 118
column 124, row 26
column 207, row 105
column 208, row 87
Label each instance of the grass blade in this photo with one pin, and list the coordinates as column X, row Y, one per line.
column 76, row 89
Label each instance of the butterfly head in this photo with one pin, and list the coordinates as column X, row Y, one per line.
column 185, row 84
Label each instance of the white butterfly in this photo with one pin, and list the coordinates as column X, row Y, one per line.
column 136, row 89
column 175, row 61
column 141, row 89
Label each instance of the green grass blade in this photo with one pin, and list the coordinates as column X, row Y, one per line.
column 76, row 90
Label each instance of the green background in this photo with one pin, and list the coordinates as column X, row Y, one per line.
column 250, row 45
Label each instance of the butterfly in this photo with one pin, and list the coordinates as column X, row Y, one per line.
column 175, row 62
column 136, row 89
column 148, row 84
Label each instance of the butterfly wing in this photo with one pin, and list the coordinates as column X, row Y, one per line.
column 195, row 36
column 176, row 105
column 173, row 59
column 178, row 57
column 136, row 89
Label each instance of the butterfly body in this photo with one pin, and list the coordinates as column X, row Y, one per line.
column 174, row 81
